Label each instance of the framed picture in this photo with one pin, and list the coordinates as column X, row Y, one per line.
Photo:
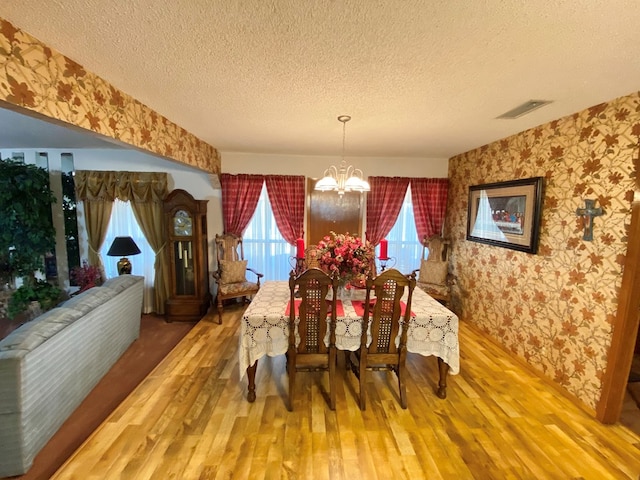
column 506, row 214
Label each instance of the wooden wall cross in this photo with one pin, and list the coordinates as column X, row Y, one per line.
column 588, row 213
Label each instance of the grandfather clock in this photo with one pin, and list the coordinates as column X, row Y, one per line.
column 186, row 221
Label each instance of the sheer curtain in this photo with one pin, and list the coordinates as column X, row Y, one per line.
column 404, row 245
column 264, row 247
column 123, row 224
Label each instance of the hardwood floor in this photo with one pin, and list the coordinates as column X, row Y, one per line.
column 157, row 338
column 189, row 419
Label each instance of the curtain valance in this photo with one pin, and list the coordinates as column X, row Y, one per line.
column 136, row 187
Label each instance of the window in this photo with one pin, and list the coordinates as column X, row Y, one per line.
column 270, row 254
column 265, row 250
column 123, row 223
column 404, row 245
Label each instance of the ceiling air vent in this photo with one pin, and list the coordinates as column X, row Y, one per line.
column 525, row 108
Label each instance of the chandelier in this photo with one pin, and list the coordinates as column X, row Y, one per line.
column 344, row 178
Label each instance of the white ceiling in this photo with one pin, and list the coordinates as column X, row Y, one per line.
column 420, row 78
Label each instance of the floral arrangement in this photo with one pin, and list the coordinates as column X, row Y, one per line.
column 346, row 255
column 86, row 276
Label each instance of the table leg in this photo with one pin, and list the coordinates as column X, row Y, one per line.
column 251, row 375
column 443, row 369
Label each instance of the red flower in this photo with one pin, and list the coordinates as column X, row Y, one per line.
column 86, row 276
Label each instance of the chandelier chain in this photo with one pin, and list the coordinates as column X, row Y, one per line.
column 344, row 119
column 344, row 137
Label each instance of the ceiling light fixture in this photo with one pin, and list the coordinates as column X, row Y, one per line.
column 344, row 178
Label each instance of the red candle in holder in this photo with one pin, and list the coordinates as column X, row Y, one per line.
column 300, row 248
column 383, row 249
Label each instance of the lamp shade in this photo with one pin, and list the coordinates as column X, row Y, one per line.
column 123, row 246
column 326, row 184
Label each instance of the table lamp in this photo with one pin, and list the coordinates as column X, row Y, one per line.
column 121, row 247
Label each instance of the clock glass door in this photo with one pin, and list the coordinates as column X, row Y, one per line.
column 185, row 279
column 183, row 253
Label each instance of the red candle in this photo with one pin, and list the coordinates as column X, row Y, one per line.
column 300, row 248
column 383, row 249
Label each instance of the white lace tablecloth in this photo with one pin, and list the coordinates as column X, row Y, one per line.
column 433, row 329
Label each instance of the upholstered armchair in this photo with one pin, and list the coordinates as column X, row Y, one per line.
column 231, row 274
column 433, row 275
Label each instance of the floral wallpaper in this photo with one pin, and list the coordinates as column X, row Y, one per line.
column 554, row 309
column 35, row 77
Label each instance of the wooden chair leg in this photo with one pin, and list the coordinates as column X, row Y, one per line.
column 402, row 387
column 292, row 380
column 332, row 378
column 219, row 310
column 402, row 374
column 363, row 379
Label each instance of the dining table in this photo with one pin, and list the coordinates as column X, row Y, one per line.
column 264, row 330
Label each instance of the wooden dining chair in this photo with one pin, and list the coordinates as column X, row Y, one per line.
column 308, row 328
column 385, row 317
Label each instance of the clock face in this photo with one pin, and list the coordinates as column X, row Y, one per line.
column 182, row 224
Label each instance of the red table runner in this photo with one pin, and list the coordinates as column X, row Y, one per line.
column 339, row 308
column 358, row 306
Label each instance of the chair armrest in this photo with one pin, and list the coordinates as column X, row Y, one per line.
column 259, row 275
column 217, row 277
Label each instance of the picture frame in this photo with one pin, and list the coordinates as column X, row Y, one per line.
column 506, row 214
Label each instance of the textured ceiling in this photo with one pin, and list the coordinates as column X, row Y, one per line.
column 420, row 78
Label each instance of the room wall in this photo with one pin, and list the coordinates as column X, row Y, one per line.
column 314, row 166
column 554, row 309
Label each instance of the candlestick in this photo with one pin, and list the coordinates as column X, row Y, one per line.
column 383, row 249
column 385, row 263
column 297, row 264
column 300, row 248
